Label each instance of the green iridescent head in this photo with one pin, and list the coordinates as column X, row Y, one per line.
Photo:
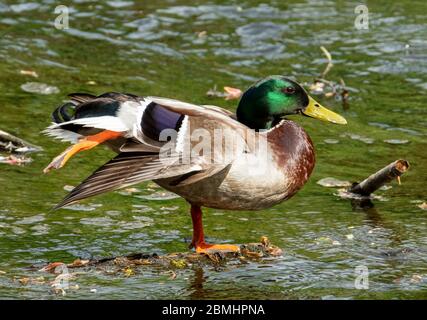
column 266, row 102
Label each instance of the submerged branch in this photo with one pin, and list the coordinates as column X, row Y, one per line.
column 173, row 261
column 375, row 181
column 329, row 65
column 11, row 143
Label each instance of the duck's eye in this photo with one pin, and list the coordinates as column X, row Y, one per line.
column 289, row 90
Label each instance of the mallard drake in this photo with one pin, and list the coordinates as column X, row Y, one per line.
column 151, row 134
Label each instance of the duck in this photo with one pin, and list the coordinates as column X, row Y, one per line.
column 185, row 148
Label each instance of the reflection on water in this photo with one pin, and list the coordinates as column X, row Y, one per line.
column 375, row 219
column 196, row 285
column 180, row 49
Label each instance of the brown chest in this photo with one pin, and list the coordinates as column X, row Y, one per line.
column 294, row 153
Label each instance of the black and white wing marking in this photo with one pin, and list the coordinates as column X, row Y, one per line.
column 140, row 159
column 87, row 115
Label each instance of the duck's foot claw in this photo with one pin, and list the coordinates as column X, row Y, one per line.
column 85, row 143
column 58, row 162
column 211, row 248
column 62, row 159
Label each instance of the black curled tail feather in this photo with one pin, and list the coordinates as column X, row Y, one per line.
column 67, row 111
column 83, row 105
column 64, row 113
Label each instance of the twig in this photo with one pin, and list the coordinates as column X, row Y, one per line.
column 375, row 181
column 329, row 65
column 13, row 144
column 344, row 95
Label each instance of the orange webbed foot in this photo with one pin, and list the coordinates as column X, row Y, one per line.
column 211, row 248
column 60, row 160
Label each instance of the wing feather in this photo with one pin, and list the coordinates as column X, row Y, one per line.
column 124, row 170
column 139, row 159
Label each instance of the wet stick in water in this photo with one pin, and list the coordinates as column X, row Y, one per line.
column 329, row 65
column 375, row 181
column 11, row 143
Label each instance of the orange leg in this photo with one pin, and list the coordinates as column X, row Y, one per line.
column 84, row 144
column 199, row 238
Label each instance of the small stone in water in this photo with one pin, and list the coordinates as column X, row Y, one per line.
column 98, row 221
column 331, row 141
column 169, row 208
column 379, row 125
column 416, row 278
column 31, row 219
column 18, row 230
column 317, row 87
column 119, row 4
column 140, row 208
column 160, row 195
column 423, row 206
column 359, row 138
column 68, row 188
column 29, row 73
column 332, row 182
column 365, row 140
column 324, row 239
column 202, row 34
column 349, row 236
column 132, row 225
column 80, row 207
column 113, row 213
column 40, row 229
column 396, row 141
column 37, row 87
column 128, row 191
column 328, row 240
column 152, row 185
column 93, row 290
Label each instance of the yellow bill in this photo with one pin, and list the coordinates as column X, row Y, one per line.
column 317, row 111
